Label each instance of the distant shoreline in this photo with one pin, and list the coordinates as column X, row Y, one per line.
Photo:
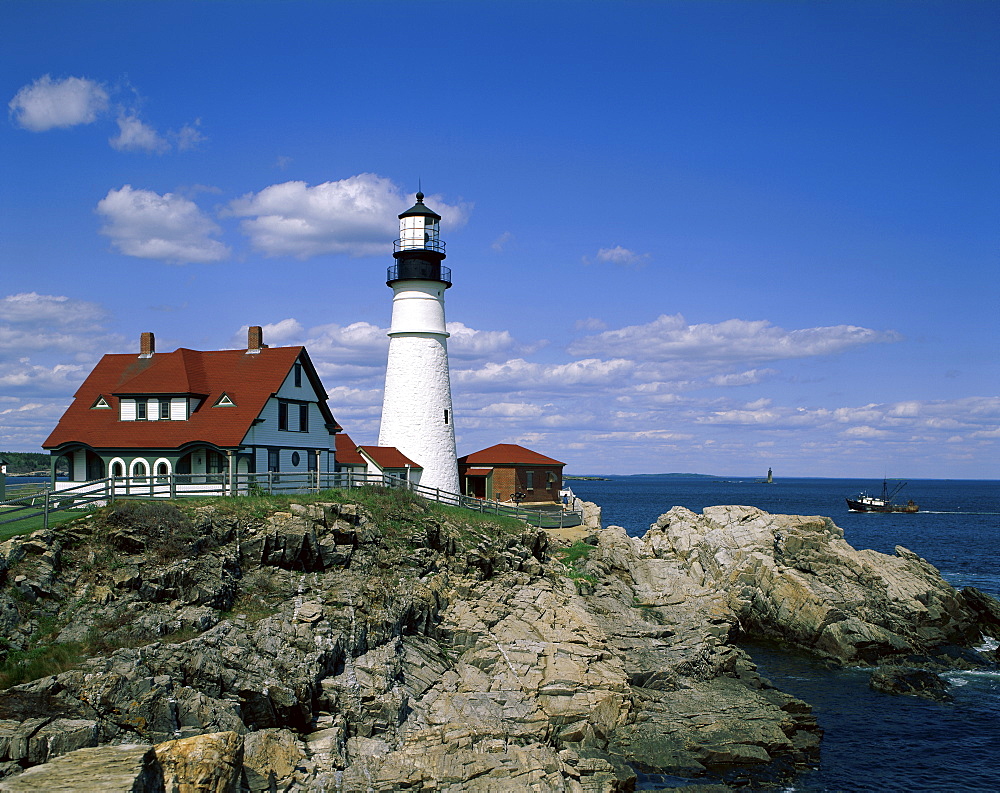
column 624, row 476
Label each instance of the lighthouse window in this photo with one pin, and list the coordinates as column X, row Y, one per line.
column 446, row 416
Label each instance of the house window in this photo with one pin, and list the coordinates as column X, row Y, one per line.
column 282, row 415
column 214, row 463
column 296, row 459
column 165, row 409
column 529, row 480
column 303, row 418
column 273, row 460
column 140, row 410
column 297, row 372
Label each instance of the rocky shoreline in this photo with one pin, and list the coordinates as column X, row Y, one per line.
column 392, row 645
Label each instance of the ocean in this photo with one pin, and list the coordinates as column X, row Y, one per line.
column 872, row 741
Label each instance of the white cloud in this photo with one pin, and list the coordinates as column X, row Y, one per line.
column 355, row 397
column 48, row 103
column 865, row 432
column 189, row 136
column 749, row 377
column 27, row 423
column 671, row 337
column 511, row 410
column 47, row 310
column 466, row 342
column 52, row 325
column 166, row 227
column 500, row 243
column 518, row 373
column 355, row 216
column 136, row 135
column 285, row 333
column 620, row 256
column 26, row 378
column 359, row 343
column 590, row 323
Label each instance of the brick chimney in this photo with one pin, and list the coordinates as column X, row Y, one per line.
column 147, row 345
column 255, row 340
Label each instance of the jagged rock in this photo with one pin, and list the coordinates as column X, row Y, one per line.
column 591, row 513
column 127, row 768
column 204, row 763
column 910, row 682
column 309, row 613
column 795, row 578
column 270, row 758
column 987, row 607
column 413, row 649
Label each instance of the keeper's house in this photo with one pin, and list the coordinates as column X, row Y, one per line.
column 506, row 469
column 189, row 412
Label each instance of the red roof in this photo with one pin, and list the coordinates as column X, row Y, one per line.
column 507, row 454
column 347, row 450
column 249, row 380
column 388, row 457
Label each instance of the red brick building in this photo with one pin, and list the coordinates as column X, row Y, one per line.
column 506, row 469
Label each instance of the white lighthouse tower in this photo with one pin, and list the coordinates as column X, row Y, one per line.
column 416, row 406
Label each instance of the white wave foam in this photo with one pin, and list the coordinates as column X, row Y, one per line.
column 963, row 677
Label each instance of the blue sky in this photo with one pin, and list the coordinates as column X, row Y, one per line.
column 684, row 236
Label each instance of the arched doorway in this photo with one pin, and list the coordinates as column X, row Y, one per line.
column 139, row 471
column 161, row 470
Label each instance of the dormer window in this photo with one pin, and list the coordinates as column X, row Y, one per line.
column 161, row 408
column 224, row 401
column 101, row 404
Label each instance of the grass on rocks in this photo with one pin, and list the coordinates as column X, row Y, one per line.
column 394, row 510
column 573, row 560
column 400, row 516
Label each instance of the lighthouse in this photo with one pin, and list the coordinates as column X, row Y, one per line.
column 416, row 406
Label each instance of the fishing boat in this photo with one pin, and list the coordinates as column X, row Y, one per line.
column 883, row 503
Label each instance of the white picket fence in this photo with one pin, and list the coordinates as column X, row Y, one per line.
column 99, row 492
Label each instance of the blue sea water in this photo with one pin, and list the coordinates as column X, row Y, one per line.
column 872, row 741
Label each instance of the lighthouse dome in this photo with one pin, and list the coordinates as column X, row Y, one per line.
column 420, row 209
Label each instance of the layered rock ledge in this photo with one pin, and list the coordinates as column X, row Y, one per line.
column 392, row 645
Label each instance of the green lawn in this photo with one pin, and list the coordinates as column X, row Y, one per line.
column 29, row 525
